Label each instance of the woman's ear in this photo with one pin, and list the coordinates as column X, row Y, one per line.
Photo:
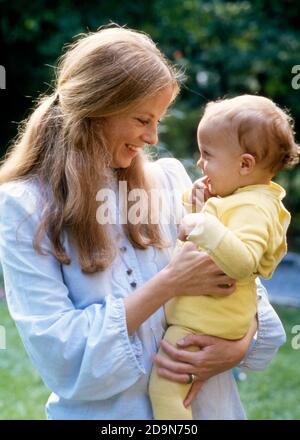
column 247, row 164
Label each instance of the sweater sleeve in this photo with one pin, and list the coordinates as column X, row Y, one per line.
column 238, row 247
column 81, row 354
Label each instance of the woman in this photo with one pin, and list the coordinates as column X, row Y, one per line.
column 87, row 294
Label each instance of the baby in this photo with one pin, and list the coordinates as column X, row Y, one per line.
column 243, row 143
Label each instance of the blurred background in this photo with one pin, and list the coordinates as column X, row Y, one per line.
column 225, row 48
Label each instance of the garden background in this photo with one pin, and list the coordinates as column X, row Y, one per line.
column 225, row 48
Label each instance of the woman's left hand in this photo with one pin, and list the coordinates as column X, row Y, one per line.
column 214, row 356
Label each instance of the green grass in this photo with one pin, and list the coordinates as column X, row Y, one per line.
column 22, row 393
column 274, row 393
column 271, row 394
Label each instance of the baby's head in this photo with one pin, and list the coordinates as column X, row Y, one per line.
column 244, row 141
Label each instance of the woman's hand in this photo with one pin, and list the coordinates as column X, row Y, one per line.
column 191, row 272
column 215, row 355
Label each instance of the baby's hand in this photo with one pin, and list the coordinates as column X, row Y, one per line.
column 187, row 224
column 200, row 193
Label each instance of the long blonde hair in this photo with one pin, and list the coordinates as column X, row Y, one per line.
column 101, row 74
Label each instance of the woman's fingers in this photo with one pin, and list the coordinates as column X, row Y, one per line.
column 194, row 273
column 193, row 392
column 179, row 363
column 191, row 339
column 186, row 359
column 174, row 377
column 173, row 366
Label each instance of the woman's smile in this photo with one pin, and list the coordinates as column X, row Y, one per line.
column 137, row 128
column 132, row 151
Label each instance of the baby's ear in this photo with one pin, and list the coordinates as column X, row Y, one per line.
column 247, row 164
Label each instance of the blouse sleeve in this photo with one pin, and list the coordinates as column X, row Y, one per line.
column 83, row 354
column 176, row 174
column 176, row 181
column 270, row 334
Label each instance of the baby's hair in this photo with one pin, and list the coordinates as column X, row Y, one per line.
column 262, row 128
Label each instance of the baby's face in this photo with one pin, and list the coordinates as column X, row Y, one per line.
column 219, row 159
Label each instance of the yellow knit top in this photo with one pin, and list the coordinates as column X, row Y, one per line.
column 245, row 235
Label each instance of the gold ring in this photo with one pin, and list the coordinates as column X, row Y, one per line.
column 192, row 378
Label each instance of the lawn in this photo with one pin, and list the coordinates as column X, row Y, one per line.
column 272, row 394
column 22, row 393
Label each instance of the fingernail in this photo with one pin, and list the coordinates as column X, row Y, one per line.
column 180, row 341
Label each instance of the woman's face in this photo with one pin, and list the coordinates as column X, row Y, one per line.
column 127, row 133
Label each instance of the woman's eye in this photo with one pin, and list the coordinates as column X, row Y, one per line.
column 146, row 121
column 142, row 121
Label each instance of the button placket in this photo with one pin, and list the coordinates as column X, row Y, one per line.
column 129, row 271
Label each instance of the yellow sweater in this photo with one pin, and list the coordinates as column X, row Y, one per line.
column 245, row 235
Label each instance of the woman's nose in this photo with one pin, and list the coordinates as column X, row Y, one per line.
column 150, row 135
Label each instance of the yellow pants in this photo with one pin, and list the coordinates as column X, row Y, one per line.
column 166, row 396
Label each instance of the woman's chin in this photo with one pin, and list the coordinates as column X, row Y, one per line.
column 125, row 163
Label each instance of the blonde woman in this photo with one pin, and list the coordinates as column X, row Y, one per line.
column 86, row 291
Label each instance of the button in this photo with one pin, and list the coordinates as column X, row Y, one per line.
column 133, row 284
column 123, row 249
column 129, row 271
